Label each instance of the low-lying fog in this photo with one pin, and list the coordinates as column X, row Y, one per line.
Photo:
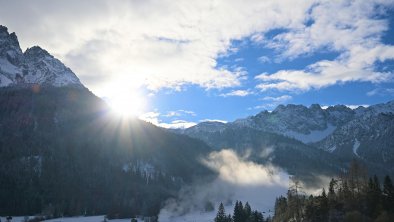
column 238, row 179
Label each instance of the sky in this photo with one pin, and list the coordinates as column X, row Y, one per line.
column 181, row 62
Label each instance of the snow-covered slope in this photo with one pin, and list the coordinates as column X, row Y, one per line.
column 34, row 66
column 368, row 136
column 306, row 124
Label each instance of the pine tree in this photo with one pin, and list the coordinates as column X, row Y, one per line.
column 388, row 194
column 247, row 212
column 256, row 217
column 345, row 194
column 332, row 186
column 294, row 198
column 373, row 197
column 281, row 208
column 229, row 218
column 221, row 215
column 324, row 208
column 332, row 195
column 238, row 215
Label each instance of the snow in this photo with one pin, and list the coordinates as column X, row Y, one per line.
column 313, row 136
column 145, row 168
column 73, row 219
column 88, row 219
column 356, row 145
column 194, row 216
column 34, row 66
column 263, row 205
column 15, row 219
column 79, row 219
column 4, row 81
column 377, row 109
column 7, row 67
column 332, row 149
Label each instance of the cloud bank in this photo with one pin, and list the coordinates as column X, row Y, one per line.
column 238, row 179
column 170, row 44
column 355, row 32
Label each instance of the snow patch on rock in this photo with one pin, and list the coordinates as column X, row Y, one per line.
column 332, row 149
column 34, row 66
column 356, row 145
column 313, row 136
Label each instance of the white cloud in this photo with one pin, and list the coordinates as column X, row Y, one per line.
column 279, row 99
column 354, row 32
column 178, row 124
column 267, row 106
column 169, row 43
column 240, row 93
column 381, row 92
column 264, row 59
column 179, row 113
column 151, row 117
column 158, row 44
column 154, row 118
column 272, row 102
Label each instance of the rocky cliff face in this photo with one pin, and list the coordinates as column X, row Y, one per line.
column 34, row 66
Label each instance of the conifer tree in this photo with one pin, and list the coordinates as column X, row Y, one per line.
column 238, row 215
column 388, row 194
column 324, row 208
column 229, row 218
column 332, row 195
column 247, row 211
column 331, row 188
column 221, row 215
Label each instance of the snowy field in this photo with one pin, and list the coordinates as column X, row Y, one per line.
column 71, row 219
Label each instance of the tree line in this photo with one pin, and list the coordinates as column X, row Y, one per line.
column 350, row 197
column 241, row 214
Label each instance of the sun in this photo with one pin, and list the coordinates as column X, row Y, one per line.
column 127, row 103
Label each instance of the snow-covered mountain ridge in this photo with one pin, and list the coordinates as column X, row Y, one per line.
column 364, row 133
column 306, row 124
column 34, row 66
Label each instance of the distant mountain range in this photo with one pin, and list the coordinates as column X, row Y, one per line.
column 365, row 133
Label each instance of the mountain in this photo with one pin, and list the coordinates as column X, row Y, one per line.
column 34, row 66
column 368, row 136
column 63, row 152
column 365, row 134
column 299, row 122
column 262, row 147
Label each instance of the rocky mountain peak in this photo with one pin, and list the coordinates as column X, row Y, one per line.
column 290, row 108
column 315, row 107
column 36, row 52
column 9, row 46
column 34, row 66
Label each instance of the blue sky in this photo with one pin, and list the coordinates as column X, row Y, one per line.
column 255, row 59
column 217, row 60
